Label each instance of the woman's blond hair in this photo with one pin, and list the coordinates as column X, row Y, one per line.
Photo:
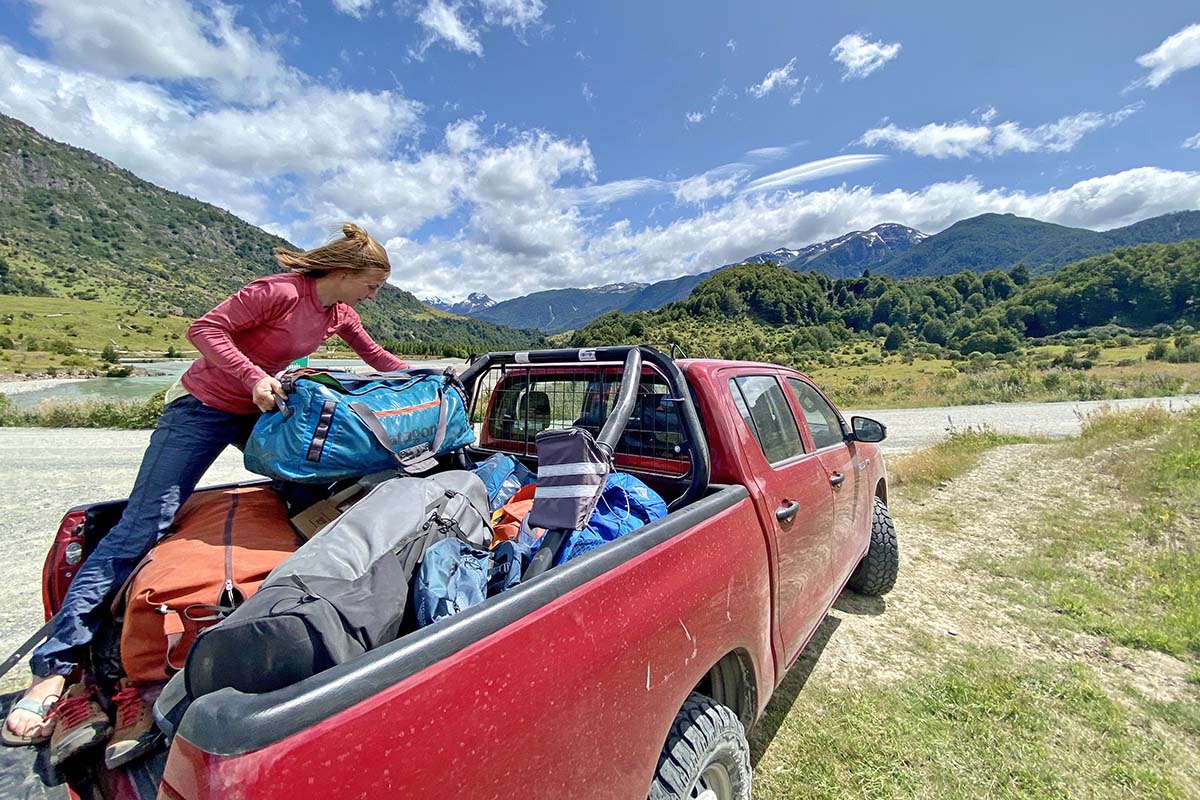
column 355, row 249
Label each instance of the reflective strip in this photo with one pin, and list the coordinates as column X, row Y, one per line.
column 578, row 468
column 561, row 492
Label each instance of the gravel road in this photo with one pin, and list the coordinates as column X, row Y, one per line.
column 46, row 471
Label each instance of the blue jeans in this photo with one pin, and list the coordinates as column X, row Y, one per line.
column 188, row 439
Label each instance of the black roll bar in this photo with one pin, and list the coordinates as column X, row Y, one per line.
column 614, row 426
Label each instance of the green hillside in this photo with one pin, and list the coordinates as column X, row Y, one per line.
column 1001, row 241
column 73, row 225
column 764, row 312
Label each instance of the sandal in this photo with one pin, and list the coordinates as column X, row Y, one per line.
column 42, row 709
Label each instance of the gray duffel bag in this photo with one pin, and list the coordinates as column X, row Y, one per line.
column 344, row 592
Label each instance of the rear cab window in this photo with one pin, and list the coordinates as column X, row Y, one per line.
column 765, row 410
column 513, row 404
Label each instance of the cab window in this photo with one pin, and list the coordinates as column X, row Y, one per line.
column 765, row 410
column 823, row 422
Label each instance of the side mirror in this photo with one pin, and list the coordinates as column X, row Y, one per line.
column 867, row 429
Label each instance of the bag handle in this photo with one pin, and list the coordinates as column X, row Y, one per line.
column 328, row 379
column 414, row 455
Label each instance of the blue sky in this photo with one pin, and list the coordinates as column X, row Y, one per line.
column 508, row 146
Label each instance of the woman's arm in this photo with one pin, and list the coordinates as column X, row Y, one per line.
column 352, row 333
column 251, row 305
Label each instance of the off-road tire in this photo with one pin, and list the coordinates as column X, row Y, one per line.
column 705, row 750
column 875, row 575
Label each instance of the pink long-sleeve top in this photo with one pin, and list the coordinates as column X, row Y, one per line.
column 260, row 330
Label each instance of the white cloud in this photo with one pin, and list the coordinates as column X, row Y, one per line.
column 517, row 14
column 798, row 96
column 387, row 196
column 778, row 78
column 694, row 117
column 1192, row 142
column 752, row 223
column 767, row 153
column 229, row 156
column 860, row 56
column 463, row 135
column 1178, row 52
column 962, row 139
column 588, row 95
column 163, row 40
column 355, row 8
column 307, row 133
column 443, row 22
column 613, row 192
column 811, row 171
column 719, row 182
column 732, row 45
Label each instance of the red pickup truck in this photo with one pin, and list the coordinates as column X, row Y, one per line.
column 631, row 671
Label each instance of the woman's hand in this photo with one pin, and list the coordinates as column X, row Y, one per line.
column 268, row 394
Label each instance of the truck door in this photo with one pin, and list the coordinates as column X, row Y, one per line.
column 851, row 503
column 795, row 503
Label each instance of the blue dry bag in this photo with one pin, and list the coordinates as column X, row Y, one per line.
column 339, row 425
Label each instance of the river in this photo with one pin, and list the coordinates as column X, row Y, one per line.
column 27, row 394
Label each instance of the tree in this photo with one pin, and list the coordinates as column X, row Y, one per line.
column 109, row 354
column 894, row 340
column 933, row 331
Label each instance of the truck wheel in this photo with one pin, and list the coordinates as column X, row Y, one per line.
column 706, row 756
column 876, row 573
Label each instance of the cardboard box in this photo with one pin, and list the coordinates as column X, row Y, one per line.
column 320, row 514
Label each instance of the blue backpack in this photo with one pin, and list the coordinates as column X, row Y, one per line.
column 503, row 476
column 339, row 425
column 454, row 576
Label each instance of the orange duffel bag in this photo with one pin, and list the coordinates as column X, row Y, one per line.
column 506, row 520
column 223, row 544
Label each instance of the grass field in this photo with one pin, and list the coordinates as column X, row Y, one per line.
column 873, row 379
column 1070, row 572
column 51, row 335
column 38, row 334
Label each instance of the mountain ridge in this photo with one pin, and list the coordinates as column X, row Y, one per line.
column 980, row 243
column 75, row 225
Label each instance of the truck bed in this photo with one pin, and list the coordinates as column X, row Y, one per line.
column 549, row 653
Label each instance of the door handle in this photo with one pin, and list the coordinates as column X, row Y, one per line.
column 837, row 478
column 786, row 511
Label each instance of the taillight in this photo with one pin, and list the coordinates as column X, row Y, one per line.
column 63, row 561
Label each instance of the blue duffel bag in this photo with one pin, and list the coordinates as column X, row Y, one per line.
column 339, row 425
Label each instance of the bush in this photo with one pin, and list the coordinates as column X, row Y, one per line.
column 1185, row 355
column 126, row 416
column 62, row 347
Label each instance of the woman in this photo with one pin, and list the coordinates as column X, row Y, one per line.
column 243, row 342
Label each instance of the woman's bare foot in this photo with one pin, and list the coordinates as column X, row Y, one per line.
column 27, row 723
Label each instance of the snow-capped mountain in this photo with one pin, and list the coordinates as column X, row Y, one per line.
column 781, row 256
column 475, row 302
column 847, row 255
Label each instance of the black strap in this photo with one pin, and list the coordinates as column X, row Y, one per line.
column 322, row 432
column 32, row 642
